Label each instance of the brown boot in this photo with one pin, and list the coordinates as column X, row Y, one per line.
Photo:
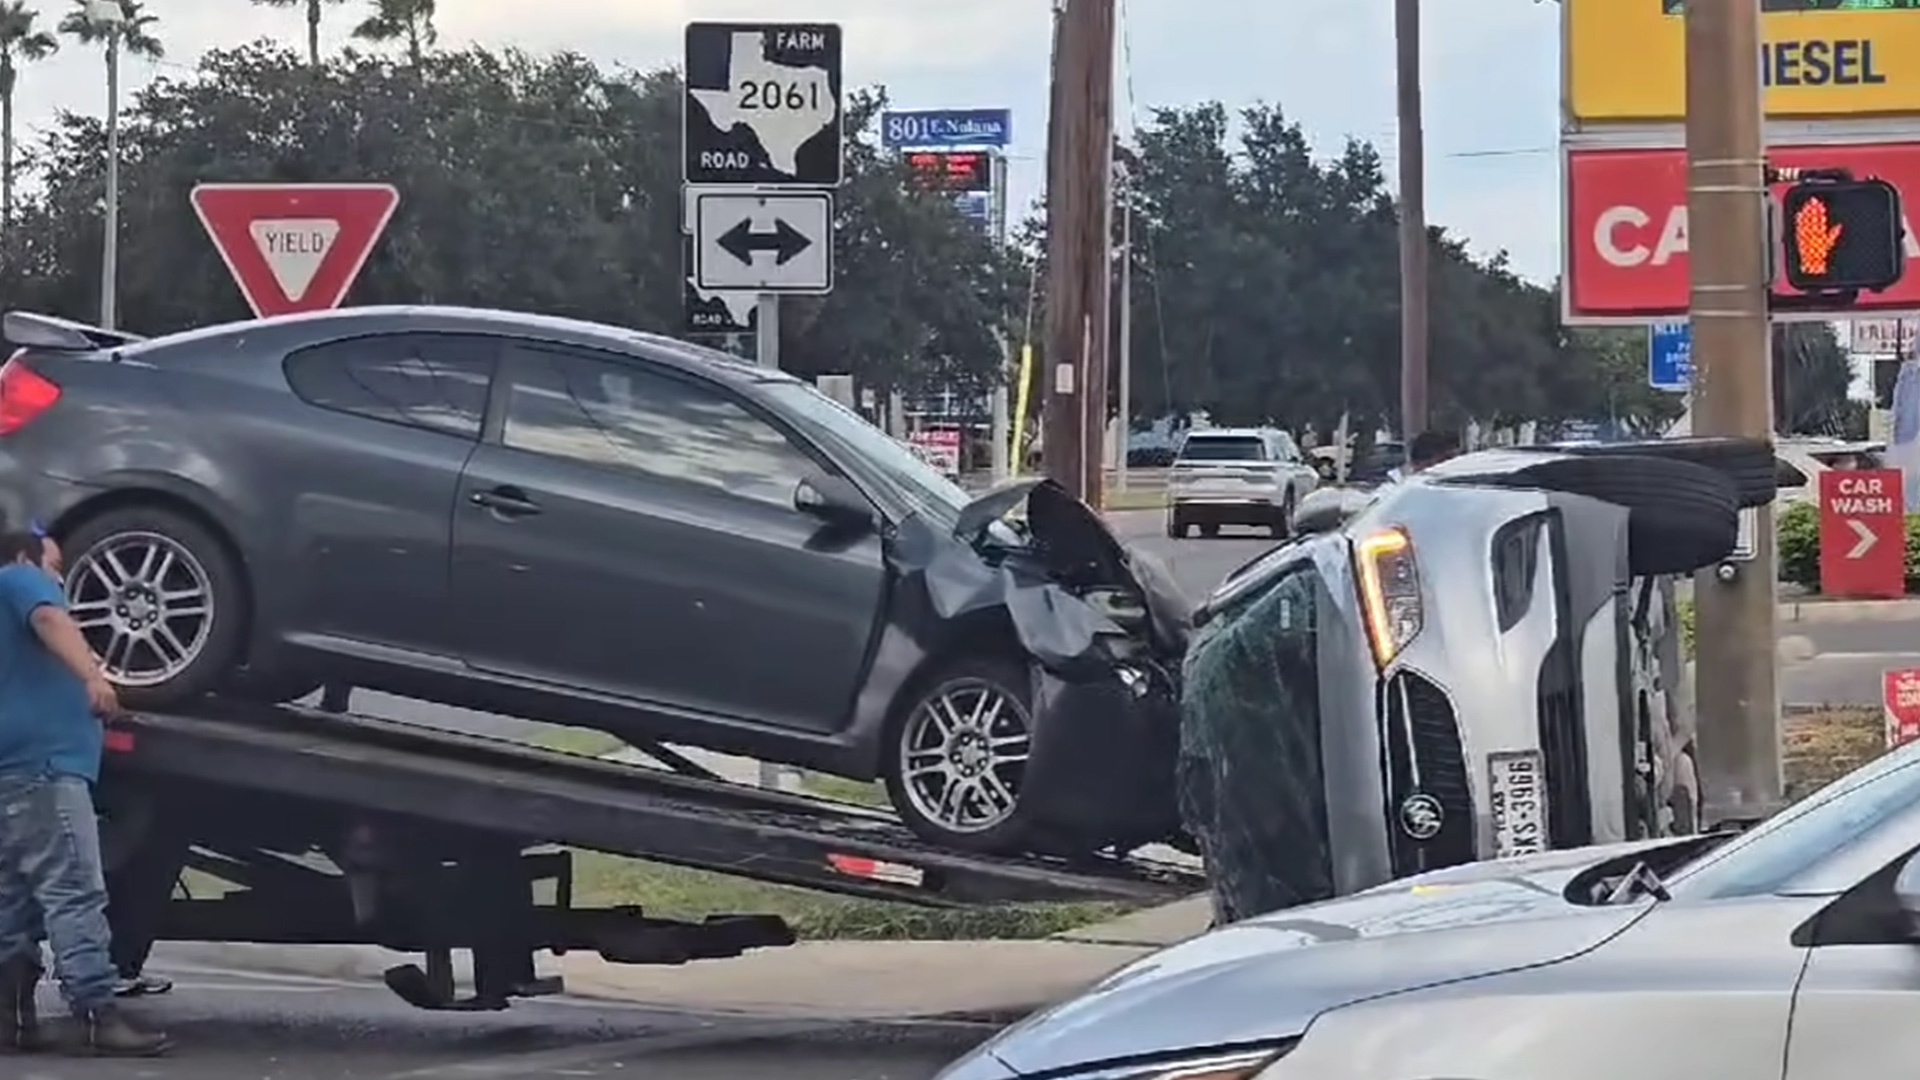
column 19, row 1017
column 107, row 1032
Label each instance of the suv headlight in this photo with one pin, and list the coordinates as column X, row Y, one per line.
column 1219, row 1065
column 1389, row 582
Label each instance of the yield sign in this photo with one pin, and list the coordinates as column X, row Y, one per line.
column 294, row 247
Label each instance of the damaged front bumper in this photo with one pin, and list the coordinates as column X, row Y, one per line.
column 1103, row 629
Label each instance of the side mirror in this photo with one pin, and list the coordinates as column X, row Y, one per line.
column 834, row 500
column 1906, row 895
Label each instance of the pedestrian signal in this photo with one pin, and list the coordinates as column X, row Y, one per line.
column 1843, row 235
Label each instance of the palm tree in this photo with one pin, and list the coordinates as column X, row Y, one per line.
column 20, row 42
column 122, row 26
column 401, row 20
column 313, row 21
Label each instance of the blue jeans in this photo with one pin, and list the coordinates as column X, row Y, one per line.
column 51, row 877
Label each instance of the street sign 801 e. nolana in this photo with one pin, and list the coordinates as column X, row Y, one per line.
column 763, row 105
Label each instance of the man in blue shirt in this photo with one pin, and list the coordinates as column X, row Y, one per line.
column 53, row 698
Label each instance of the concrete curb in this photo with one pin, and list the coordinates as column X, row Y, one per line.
column 1842, row 611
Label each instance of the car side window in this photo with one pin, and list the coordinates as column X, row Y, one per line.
column 618, row 414
column 436, row 382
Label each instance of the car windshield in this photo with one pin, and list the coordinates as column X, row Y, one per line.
column 1223, row 448
column 908, row 477
column 1787, row 845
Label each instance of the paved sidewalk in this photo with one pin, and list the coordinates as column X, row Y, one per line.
column 840, row 980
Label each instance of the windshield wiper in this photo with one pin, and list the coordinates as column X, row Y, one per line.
column 1641, row 880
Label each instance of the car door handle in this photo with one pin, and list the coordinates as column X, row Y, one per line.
column 505, row 500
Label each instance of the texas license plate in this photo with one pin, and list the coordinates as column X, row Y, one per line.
column 1517, row 800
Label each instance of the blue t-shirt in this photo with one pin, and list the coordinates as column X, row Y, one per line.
column 46, row 722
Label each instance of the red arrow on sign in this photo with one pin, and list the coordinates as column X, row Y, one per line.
column 294, row 247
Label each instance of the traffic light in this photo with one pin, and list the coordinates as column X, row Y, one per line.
column 1842, row 235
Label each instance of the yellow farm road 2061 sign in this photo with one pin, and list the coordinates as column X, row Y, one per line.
column 1625, row 58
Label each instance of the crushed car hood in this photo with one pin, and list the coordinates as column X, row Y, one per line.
column 1041, row 579
column 1266, row 978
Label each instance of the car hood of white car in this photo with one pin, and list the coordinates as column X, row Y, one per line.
column 1264, row 979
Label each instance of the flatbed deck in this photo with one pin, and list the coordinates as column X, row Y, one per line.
column 545, row 796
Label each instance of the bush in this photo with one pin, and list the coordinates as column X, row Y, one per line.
column 1798, row 532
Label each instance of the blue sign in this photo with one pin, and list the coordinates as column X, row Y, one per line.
column 946, row 127
column 1670, row 356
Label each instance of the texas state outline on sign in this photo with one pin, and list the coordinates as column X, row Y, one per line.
column 801, row 104
column 294, row 247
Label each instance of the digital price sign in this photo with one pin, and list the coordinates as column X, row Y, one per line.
column 952, row 170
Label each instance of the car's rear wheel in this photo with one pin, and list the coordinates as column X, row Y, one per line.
column 160, row 600
column 957, row 759
column 1209, row 531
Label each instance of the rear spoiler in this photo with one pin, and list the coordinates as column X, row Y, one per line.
column 29, row 330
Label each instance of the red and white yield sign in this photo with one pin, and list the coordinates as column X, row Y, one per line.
column 294, row 247
column 1863, row 543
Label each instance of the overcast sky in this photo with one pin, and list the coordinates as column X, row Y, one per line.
column 1491, row 73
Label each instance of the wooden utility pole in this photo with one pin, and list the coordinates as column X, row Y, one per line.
column 1079, row 213
column 1727, row 208
column 1413, row 222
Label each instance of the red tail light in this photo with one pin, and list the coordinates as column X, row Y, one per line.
column 24, row 394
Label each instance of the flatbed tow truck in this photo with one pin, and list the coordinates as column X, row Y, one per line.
column 338, row 828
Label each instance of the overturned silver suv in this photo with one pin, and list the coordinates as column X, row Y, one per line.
column 1479, row 662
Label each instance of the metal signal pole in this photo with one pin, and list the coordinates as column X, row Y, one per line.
column 1727, row 208
column 1413, row 222
column 1079, row 177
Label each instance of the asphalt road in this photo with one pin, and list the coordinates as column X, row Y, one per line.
column 236, row 1026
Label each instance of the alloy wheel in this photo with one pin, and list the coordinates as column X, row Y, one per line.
column 963, row 754
column 145, row 604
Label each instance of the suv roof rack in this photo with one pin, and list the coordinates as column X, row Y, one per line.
column 31, row 330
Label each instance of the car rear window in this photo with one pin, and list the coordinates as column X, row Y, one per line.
column 1223, row 448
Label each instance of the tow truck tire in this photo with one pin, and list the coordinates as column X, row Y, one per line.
column 1681, row 516
column 214, row 648
column 908, row 736
column 1749, row 463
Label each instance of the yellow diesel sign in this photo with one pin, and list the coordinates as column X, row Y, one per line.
column 1625, row 58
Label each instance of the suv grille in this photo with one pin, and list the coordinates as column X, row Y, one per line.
column 1429, row 808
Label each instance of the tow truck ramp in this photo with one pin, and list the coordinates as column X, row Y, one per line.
column 348, row 829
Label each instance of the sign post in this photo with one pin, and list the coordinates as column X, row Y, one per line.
column 762, row 151
column 294, row 247
column 1863, row 548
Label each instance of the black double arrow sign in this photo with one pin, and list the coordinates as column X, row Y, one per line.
column 784, row 241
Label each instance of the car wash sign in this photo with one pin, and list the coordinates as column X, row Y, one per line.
column 1863, row 543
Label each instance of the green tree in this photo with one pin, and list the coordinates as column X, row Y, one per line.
column 131, row 33
column 410, row 21
column 536, row 184
column 1811, row 374
column 314, row 10
column 21, row 41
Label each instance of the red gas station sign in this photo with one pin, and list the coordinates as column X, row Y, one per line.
column 1863, row 541
column 1626, row 238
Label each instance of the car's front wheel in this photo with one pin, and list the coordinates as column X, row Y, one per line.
column 957, row 759
column 159, row 598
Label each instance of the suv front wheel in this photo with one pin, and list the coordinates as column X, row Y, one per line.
column 158, row 598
